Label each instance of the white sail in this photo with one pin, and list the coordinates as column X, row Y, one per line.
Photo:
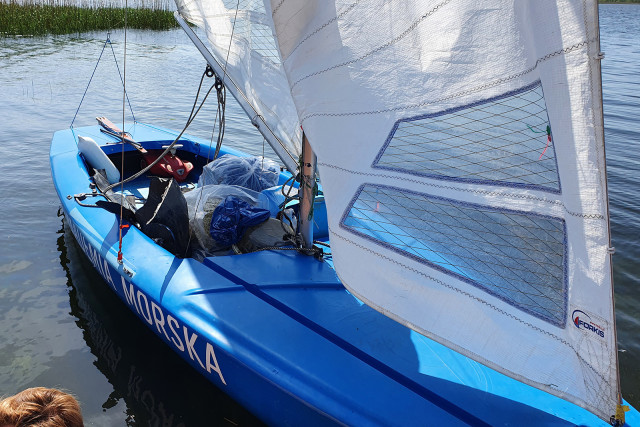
column 242, row 44
column 461, row 151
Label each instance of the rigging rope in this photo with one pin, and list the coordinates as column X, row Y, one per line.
column 221, row 84
column 124, row 97
column 107, row 41
column 220, row 120
column 209, row 73
column 220, row 117
column 166, row 151
column 91, row 78
column 122, row 79
column 222, row 101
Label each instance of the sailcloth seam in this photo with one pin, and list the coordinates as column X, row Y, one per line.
column 455, row 95
column 487, row 304
column 468, row 190
column 275, row 9
column 320, row 28
column 379, row 48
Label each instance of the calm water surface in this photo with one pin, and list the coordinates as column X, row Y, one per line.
column 61, row 326
column 620, row 39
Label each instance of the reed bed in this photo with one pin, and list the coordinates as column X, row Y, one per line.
column 31, row 18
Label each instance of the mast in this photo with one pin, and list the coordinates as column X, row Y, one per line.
column 308, row 190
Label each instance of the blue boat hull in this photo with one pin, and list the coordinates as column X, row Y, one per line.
column 278, row 332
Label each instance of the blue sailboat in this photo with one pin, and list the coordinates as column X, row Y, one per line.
column 450, row 262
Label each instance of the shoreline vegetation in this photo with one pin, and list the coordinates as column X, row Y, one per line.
column 39, row 18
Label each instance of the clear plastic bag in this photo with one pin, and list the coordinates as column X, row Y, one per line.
column 254, row 173
column 202, row 202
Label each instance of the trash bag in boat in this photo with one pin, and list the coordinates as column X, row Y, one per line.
column 254, row 173
column 232, row 218
column 201, row 203
column 165, row 216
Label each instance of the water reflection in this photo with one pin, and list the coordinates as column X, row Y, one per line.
column 157, row 387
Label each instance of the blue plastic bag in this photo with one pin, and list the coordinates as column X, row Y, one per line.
column 232, row 218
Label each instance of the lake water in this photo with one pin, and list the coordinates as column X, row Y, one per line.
column 60, row 326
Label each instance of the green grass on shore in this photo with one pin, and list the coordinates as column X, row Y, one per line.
column 35, row 19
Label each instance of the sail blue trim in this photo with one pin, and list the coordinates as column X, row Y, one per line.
column 560, row 321
column 376, row 165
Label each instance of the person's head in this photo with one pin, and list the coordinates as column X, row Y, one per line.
column 40, row 407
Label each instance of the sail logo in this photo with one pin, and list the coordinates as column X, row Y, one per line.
column 583, row 321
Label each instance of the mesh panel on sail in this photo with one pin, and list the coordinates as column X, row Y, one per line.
column 250, row 30
column 516, row 256
column 504, row 140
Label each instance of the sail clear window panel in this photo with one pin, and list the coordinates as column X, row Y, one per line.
column 262, row 42
column 246, row 25
column 516, row 256
column 505, row 140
